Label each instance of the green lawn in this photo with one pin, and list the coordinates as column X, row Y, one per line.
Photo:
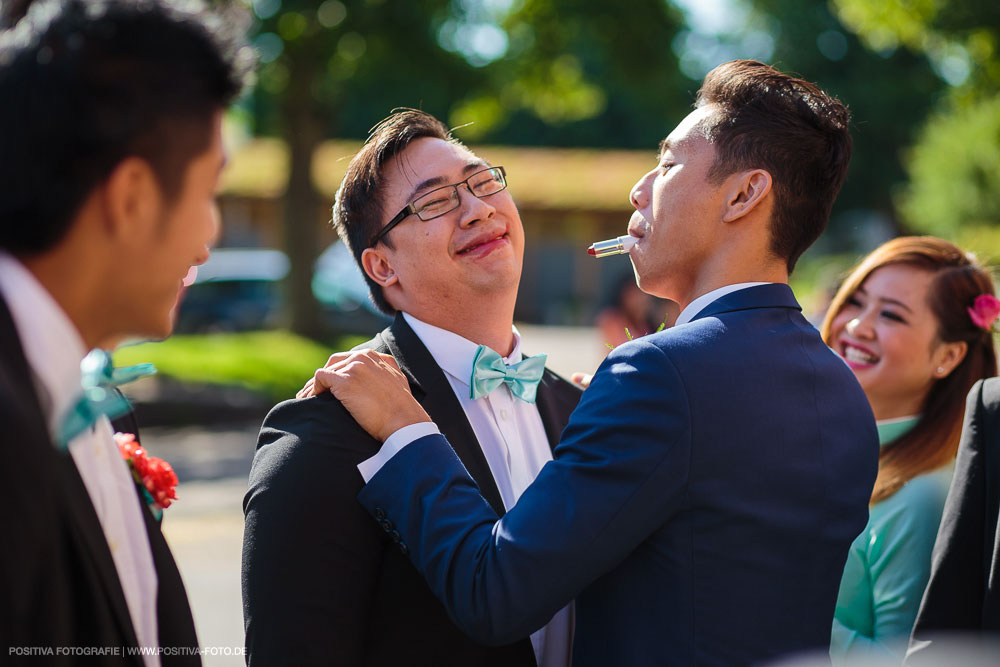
column 276, row 363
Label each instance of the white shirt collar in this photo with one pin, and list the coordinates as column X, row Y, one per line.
column 51, row 343
column 453, row 353
column 699, row 304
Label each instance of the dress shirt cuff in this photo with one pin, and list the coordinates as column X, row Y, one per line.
column 394, row 444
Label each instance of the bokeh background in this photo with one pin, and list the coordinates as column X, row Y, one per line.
column 572, row 96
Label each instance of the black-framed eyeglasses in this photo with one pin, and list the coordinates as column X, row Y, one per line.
column 445, row 199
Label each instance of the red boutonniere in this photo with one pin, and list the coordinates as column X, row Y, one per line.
column 154, row 475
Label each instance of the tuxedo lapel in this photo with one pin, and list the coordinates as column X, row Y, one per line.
column 431, row 389
column 175, row 623
column 15, row 365
column 556, row 400
column 87, row 531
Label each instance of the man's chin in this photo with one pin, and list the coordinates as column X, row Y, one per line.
column 148, row 332
column 654, row 285
column 499, row 286
column 117, row 340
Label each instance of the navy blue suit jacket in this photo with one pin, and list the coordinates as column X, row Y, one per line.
column 699, row 508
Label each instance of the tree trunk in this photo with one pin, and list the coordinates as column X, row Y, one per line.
column 303, row 133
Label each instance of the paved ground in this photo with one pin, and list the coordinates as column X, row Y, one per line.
column 205, row 526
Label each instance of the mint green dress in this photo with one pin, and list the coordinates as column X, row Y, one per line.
column 888, row 565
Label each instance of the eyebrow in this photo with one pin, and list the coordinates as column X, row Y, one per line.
column 895, row 303
column 476, row 165
column 665, row 145
column 885, row 299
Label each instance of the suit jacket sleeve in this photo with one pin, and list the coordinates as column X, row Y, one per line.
column 620, row 472
column 954, row 595
column 310, row 552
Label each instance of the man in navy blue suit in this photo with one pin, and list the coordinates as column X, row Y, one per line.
column 704, row 494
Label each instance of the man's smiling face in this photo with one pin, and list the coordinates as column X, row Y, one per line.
column 474, row 251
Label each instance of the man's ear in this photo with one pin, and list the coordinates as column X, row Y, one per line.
column 378, row 267
column 132, row 197
column 750, row 189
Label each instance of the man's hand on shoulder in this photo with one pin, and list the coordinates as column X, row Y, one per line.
column 312, row 388
column 372, row 388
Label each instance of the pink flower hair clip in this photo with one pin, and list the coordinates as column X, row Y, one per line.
column 984, row 311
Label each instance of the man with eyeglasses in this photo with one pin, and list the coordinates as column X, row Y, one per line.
column 440, row 243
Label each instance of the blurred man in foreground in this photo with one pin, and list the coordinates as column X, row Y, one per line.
column 111, row 154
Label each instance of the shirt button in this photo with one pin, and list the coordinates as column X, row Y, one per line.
column 504, row 414
column 113, row 545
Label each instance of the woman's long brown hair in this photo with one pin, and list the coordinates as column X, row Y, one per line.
column 958, row 280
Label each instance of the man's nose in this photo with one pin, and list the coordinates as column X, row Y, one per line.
column 473, row 208
column 215, row 229
column 638, row 196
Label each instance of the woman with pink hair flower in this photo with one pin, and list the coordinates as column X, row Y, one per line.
column 914, row 322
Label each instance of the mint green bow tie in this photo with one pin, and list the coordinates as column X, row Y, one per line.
column 489, row 371
column 98, row 382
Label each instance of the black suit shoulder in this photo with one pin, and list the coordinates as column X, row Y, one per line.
column 310, row 552
column 320, row 421
column 990, row 390
column 961, row 595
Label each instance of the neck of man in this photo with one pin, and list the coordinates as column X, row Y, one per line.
column 730, row 266
column 67, row 274
column 484, row 320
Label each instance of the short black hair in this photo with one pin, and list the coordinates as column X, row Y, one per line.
column 357, row 212
column 88, row 83
column 769, row 120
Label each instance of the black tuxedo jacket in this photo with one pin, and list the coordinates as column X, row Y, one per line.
column 963, row 594
column 322, row 582
column 58, row 583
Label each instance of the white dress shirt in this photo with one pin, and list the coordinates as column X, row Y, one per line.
column 512, row 437
column 54, row 349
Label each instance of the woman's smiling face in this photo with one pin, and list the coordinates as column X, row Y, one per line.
column 888, row 335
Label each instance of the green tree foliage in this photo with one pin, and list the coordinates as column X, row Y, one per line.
column 954, row 165
column 961, row 37
column 579, row 73
column 955, row 170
